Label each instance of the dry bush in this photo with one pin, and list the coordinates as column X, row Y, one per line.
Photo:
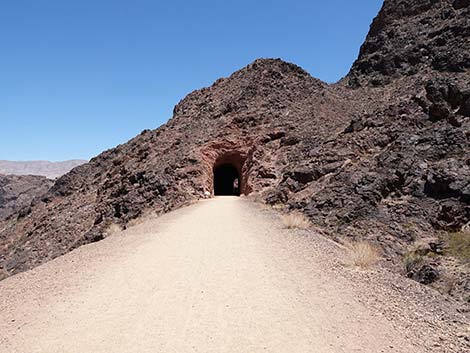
column 295, row 220
column 362, row 254
column 150, row 214
column 139, row 220
column 265, row 207
column 458, row 245
column 411, row 261
column 112, row 229
column 466, row 228
column 449, row 284
column 256, row 198
column 135, row 222
column 3, row 274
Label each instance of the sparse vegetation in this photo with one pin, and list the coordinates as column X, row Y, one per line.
column 265, row 206
column 146, row 215
column 135, row 222
column 111, row 229
column 411, row 261
column 458, row 245
column 257, row 198
column 362, row 254
column 449, row 285
column 3, row 274
column 466, row 228
column 295, row 220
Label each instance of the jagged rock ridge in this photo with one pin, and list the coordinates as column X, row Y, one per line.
column 410, row 37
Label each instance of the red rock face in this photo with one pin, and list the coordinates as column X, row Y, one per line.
column 228, row 152
column 382, row 155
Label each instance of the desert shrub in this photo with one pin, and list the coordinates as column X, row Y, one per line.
column 265, row 207
column 458, row 245
column 135, row 222
column 411, row 261
column 295, row 220
column 257, row 198
column 111, row 229
column 140, row 219
column 449, row 284
column 362, row 254
column 466, row 228
column 150, row 214
column 3, row 274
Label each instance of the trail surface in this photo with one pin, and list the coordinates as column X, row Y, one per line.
column 218, row 276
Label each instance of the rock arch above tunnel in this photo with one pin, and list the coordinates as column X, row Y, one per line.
column 229, row 172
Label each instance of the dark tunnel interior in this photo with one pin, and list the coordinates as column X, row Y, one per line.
column 226, row 180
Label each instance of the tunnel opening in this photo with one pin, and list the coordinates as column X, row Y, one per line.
column 227, row 180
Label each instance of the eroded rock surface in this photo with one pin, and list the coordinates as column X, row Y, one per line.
column 412, row 36
column 17, row 193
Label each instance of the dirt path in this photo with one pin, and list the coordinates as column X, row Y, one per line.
column 218, row 276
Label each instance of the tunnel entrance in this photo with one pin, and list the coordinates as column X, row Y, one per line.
column 226, row 180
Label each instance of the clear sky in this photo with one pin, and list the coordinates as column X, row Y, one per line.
column 78, row 77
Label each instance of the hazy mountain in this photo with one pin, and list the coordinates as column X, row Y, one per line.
column 48, row 169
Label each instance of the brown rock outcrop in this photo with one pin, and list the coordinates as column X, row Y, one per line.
column 17, row 193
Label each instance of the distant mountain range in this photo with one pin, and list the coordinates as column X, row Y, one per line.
column 48, row 169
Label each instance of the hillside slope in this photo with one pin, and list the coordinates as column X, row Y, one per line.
column 17, row 192
column 382, row 155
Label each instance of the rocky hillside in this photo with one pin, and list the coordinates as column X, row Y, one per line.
column 17, row 193
column 48, row 169
column 382, row 155
column 414, row 37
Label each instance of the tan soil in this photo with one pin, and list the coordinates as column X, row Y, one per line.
column 219, row 276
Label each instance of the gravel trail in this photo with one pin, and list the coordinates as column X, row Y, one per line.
column 218, row 276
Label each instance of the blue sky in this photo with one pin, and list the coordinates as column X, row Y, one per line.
column 78, row 77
